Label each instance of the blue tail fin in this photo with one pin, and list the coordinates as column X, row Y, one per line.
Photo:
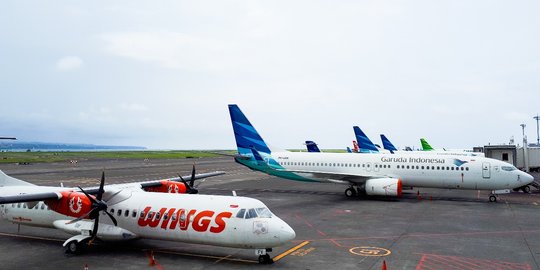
column 387, row 144
column 364, row 143
column 349, row 150
column 246, row 136
column 312, row 146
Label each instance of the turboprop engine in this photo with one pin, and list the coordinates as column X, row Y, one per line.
column 384, row 187
column 72, row 203
column 169, row 187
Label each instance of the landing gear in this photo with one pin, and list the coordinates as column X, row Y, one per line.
column 75, row 247
column 350, row 192
column 265, row 259
column 526, row 189
column 492, row 198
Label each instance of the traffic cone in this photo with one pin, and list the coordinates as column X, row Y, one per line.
column 86, row 267
column 151, row 258
column 383, row 265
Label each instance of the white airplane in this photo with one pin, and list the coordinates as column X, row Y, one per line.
column 374, row 174
column 163, row 214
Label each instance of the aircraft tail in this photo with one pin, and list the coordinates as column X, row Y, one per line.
column 387, row 144
column 312, row 146
column 364, row 143
column 247, row 138
column 356, row 149
column 425, row 145
column 6, row 181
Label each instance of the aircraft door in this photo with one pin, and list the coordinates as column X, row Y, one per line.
column 368, row 166
column 486, row 170
column 376, row 167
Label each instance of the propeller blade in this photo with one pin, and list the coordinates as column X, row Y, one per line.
column 192, row 176
column 95, row 229
column 188, row 187
column 112, row 218
column 88, row 196
column 101, row 184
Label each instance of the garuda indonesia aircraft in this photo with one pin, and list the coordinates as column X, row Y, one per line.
column 150, row 209
column 374, row 174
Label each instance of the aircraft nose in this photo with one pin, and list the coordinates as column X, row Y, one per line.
column 527, row 178
column 287, row 233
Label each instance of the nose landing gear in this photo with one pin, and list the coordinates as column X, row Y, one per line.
column 264, row 257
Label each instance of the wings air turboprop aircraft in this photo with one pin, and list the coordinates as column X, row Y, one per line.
column 374, row 173
column 162, row 214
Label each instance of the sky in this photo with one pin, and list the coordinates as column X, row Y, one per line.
column 160, row 74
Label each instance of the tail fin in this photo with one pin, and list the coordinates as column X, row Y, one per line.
column 349, row 150
column 425, row 145
column 356, row 149
column 365, row 144
column 245, row 134
column 387, row 144
column 6, row 180
column 312, row 146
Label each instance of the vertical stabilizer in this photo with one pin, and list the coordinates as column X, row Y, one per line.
column 312, row 147
column 387, row 144
column 6, row 181
column 364, row 143
column 425, row 145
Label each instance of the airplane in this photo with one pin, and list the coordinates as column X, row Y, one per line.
column 427, row 148
column 169, row 211
column 374, row 174
column 312, row 147
column 387, row 144
column 8, row 138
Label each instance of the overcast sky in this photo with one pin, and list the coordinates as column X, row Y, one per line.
column 161, row 73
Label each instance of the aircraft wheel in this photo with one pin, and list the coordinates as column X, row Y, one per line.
column 492, row 198
column 350, row 192
column 526, row 189
column 265, row 259
column 73, row 247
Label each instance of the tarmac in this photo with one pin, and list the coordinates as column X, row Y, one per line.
column 424, row 229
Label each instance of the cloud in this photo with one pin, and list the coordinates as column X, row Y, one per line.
column 167, row 49
column 69, row 63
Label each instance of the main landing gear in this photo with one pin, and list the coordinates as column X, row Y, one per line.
column 75, row 247
column 492, row 198
column 264, row 257
column 350, row 192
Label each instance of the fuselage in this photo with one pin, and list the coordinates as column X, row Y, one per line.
column 414, row 170
column 202, row 219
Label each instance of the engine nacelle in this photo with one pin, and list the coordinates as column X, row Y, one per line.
column 169, row 187
column 72, row 203
column 384, row 187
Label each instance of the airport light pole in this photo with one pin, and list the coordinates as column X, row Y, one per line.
column 525, row 152
column 537, row 118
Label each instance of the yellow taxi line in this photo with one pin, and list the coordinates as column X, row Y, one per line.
column 280, row 256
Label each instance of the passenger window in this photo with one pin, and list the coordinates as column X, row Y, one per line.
column 452, row 168
column 173, row 217
column 112, row 211
column 43, row 207
column 158, row 215
column 142, row 214
column 134, row 214
column 447, row 168
column 438, row 168
column 407, row 166
column 126, row 214
column 422, row 167
column 442, row 168
column 417, row 167
column 462, row 168
column 241, row 213
column 166, row 216
column 467, row 168
column 119, row 213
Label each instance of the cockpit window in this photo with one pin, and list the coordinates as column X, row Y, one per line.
column 241, row 213
column 251, row 213
column 264, row 212
column 508, row 168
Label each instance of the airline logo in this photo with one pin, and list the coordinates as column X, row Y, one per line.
column 458, row 162
column 170, row 219
column 75, row 206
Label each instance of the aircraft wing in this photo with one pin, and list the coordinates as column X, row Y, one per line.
column 335, row 177
column 32, row 197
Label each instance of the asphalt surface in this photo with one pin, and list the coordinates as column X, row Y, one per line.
column 425, row 229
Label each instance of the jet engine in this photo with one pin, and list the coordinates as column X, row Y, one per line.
column 72, row 203
column 384, row 187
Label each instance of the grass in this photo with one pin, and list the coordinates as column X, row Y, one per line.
column 41, row 157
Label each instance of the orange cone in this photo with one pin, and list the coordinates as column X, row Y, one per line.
column 383, row 265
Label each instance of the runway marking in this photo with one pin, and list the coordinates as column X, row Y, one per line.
column 310, row 225
column 434, row 261
column 370, row 251
column 155, row 251
column 31, row 237
column 280, row 256
column 333, row 240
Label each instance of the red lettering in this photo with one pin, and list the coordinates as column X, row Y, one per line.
column 202, row 221
column 220, row 222
column 148, row 218
column 185, row 219
column 169, row 217
column 143, row 220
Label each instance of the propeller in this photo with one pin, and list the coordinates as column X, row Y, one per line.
column 97, row 205
column 189, row 187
